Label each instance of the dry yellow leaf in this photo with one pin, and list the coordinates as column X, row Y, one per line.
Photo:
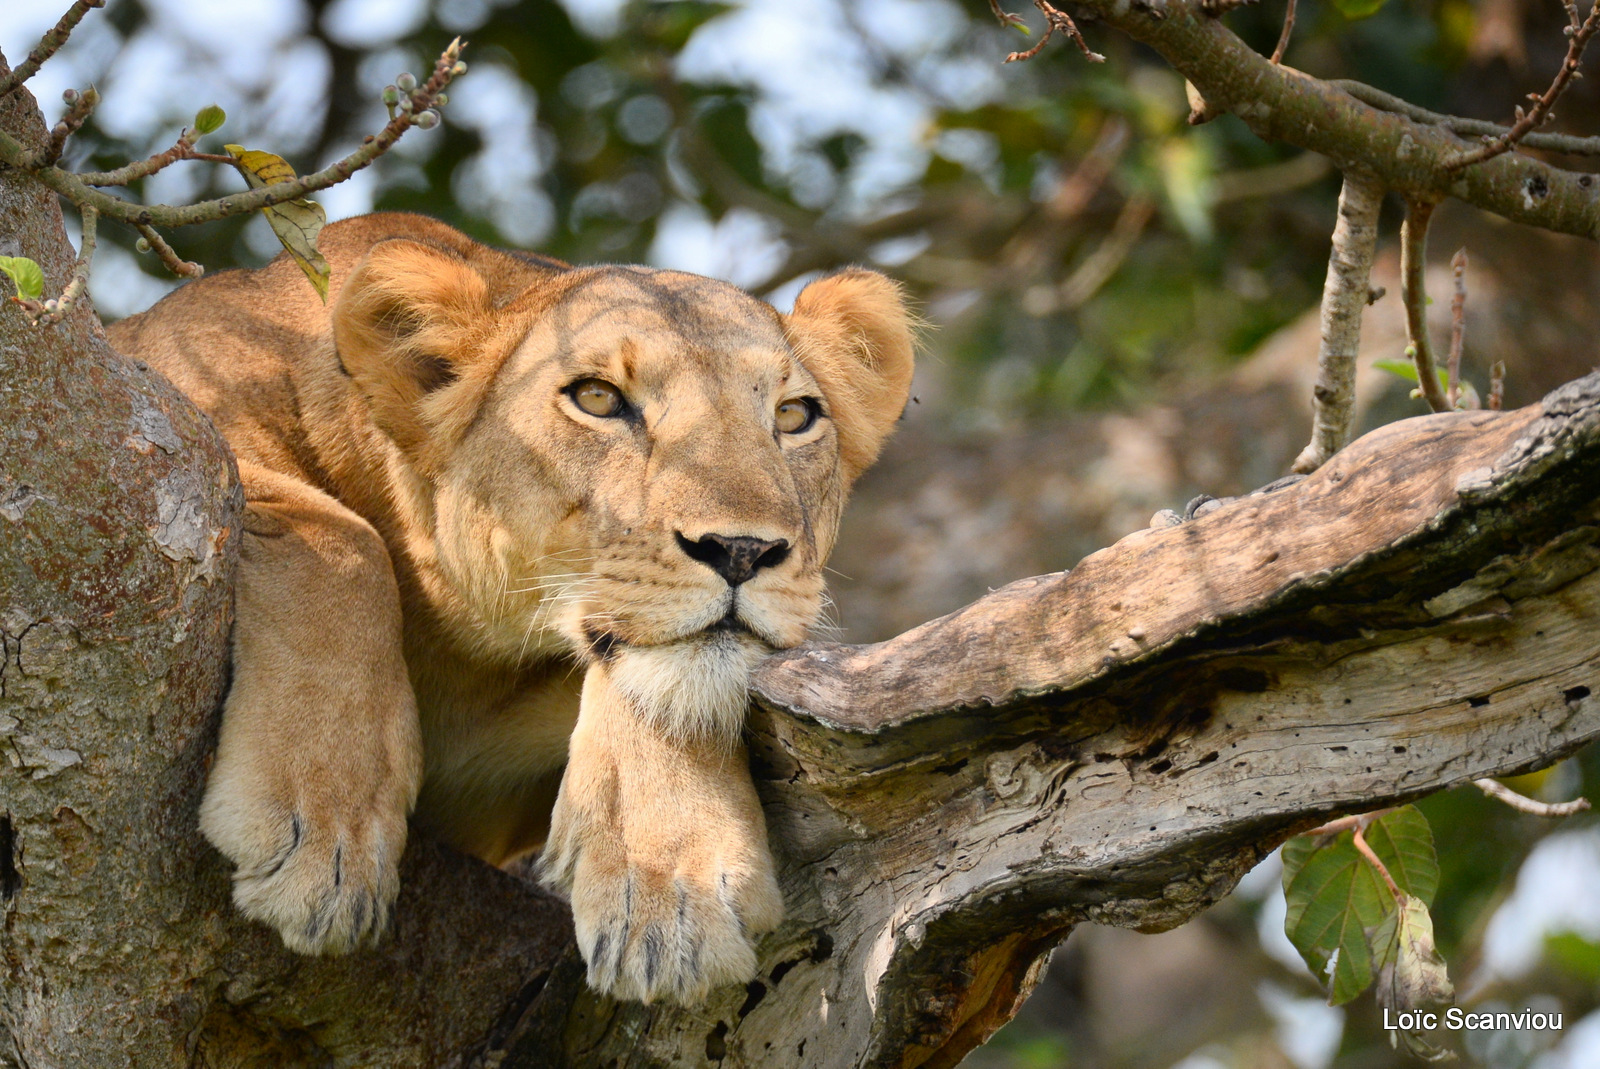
column 296, row 222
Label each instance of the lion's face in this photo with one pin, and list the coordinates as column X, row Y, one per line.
column 642, row 466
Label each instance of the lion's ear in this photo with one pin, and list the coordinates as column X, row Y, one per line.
column 411, row 320
column 856, row 335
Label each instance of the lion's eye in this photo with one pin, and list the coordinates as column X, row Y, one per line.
column 797, row 415
column 597, row 397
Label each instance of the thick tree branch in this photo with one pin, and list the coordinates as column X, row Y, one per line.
column 1404, row 155
column 1565, row 144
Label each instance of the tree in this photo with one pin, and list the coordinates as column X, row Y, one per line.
column 1417, row 612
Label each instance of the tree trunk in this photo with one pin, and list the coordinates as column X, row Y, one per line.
column 1117, row 744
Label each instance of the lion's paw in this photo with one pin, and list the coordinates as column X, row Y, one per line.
column 670, row 928
column 326, row 880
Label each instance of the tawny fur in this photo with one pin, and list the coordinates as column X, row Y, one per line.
column 456, row 583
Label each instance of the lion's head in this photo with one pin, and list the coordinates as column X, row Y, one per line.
column 642, row 466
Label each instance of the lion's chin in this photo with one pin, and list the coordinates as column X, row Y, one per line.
column 696, row 687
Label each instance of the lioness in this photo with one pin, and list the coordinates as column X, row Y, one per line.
column 469, row 472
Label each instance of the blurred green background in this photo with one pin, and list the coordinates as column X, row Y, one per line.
column 1121, row 313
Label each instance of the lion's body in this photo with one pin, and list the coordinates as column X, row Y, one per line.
column 450, row 563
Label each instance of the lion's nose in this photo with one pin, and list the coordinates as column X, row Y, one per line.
column 734, row 557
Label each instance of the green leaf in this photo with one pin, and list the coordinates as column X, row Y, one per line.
column 26, row 275
column 1408, row 371
column 209, row 119
column 1339, row 904
column 1334, row 897
column 1358, row 9
column 1021, row 27
column 297, row 223
column 1403, row 368
column 1403, row 841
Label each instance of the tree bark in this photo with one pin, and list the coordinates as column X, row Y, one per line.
column 1117, row 744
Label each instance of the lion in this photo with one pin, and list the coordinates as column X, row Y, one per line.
column 516, row 534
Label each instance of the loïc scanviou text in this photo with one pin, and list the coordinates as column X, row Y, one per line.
column 1455, row 1019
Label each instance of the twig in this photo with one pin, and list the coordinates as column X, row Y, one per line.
column 1007, row 18
column 1523, row 804
column 1458, row 328
column 48, row 44
column 1334, row 827
column 182, row 149
column 173, row 262
column 55, row 311
column 71, row 186
column 1344, row 298
column 79, row 105
column 1565, row 144
column 1054, row 19
column 1497, row 385
column 1414, row 295
column 1579, row 35
column 1283, row 38
column 1372, row 859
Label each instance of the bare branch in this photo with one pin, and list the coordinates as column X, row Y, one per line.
column 1344, row 298
column 1523, row 804
column 182, row 149
column 154, row 242
column 1565, row 144
column 1283, row 38
column 79, row 106
column 1458, row 327
column 1279, row 103
column 1536, row 116
column 1414, row 294
column 1054, row 19
column 80, row 193
column 1497, row 385
column 48, row 45
column 1355, row 820
column 1007, row 18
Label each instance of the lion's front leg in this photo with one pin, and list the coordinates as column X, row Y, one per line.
column 319, row 757
column 662, row 849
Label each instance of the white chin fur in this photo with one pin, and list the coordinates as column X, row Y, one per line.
column 696, row 688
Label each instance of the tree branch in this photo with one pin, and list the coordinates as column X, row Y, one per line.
column 1414, row 295
column 1578, row 36
column 48, row 45
column 1562, row 143
column 1458, row 328
column 1406, row 156
column 1345, row 296
column 75, row 189
column 1522, row 804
